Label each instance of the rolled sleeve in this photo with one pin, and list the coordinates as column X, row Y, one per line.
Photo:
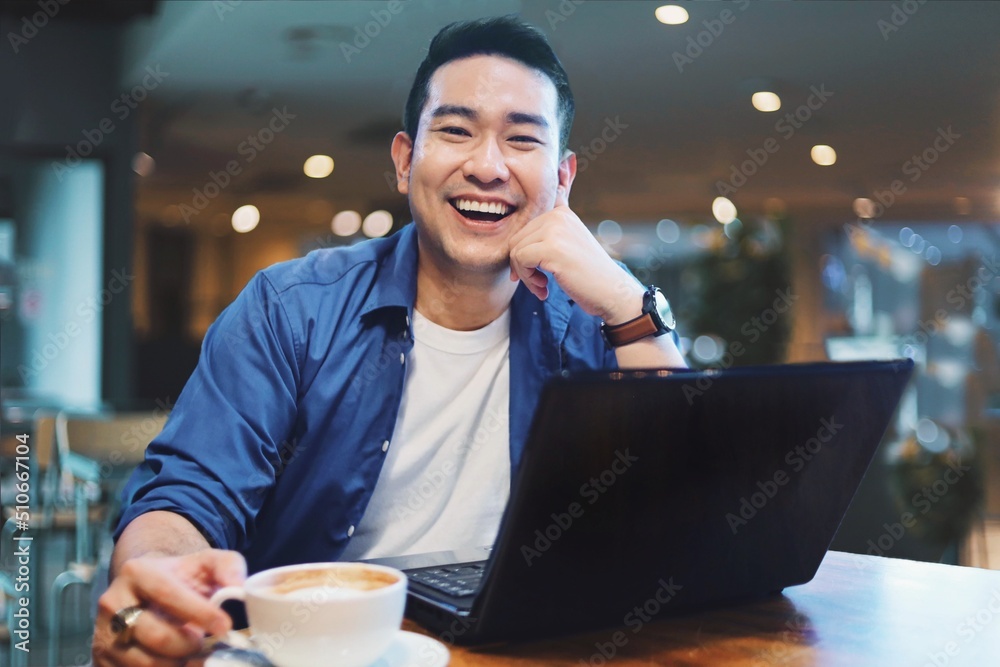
column 217, row 459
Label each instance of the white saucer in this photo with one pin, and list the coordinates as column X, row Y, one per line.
column 408, row 649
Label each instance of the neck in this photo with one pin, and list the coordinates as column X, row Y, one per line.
column 461, row 300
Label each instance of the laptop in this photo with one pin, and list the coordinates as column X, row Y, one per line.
column 643, row 493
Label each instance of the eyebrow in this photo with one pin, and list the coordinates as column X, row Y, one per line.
column 513, row 118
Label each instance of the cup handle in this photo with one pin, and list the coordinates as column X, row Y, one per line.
column 228, row 593
column 230, row 638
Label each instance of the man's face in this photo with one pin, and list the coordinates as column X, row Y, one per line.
column 485, row 161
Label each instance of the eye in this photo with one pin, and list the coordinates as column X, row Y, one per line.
column 454, row 131
column 523, row 138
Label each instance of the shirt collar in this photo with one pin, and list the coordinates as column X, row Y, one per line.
column 395, row 283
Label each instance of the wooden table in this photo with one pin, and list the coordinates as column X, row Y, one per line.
column 858, row 610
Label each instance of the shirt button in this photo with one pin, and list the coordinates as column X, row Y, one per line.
column 385, row 446
column 350, row 531
column 402, row 358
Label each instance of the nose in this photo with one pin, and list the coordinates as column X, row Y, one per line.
column 486, row 162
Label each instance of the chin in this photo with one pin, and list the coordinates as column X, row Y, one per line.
column 478, row 262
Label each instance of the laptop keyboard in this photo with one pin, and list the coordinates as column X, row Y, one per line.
column 457, row 580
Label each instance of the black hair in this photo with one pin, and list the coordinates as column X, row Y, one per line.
column 501, row 36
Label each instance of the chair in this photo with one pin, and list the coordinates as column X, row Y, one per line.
column 95, row 454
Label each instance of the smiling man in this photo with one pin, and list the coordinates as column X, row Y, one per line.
column 374, row 400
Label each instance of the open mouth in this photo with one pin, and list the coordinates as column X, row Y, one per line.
column 482, row 211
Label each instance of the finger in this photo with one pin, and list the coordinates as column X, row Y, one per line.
column 232, row 568
column 530, row 228
column 150, row 582
column 529, row 234
column 529, row 257
column 538, row 279
column 163, row 638
column 532, row 278
column 539, row 291
column 106, row 652
column 154, row 636
column 219, row 568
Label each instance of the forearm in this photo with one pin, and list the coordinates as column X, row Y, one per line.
column 650, row 352
column 157, row 534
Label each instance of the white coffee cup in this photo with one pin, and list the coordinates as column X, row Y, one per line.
column 318, row 614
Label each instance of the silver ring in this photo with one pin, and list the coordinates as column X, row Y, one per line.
column 123, row 624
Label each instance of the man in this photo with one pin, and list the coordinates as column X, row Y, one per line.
column 374, row 400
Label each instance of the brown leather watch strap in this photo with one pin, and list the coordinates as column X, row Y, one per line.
column 631, row 331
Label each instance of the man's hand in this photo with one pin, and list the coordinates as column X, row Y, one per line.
column 173, row 591
column 558, row 242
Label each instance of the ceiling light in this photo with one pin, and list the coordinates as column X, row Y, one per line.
column 318, row 166
column 671, row 14
column 723, row 210
column 668, row 231
column 245, row 218
column 377, row 223
column 346, row 223
column 765, row 101
column 143, row 164
column 609, row 231
column 823, row 155
column 864, row 207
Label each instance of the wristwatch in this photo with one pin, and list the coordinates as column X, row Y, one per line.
column 657, row 319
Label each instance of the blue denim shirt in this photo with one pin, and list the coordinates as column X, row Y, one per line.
column 275, row 444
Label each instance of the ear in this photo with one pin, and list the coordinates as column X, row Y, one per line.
column 567, row 174
column 402, row 157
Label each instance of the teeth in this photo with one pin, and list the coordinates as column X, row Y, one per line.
column 481, row 207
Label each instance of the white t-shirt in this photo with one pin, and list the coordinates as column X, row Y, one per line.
column 446, row 477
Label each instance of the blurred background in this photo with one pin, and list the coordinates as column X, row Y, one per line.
column 805, row 180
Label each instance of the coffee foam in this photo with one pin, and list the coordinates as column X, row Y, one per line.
column 352, row 580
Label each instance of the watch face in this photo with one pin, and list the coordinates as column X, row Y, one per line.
column 664, row 311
